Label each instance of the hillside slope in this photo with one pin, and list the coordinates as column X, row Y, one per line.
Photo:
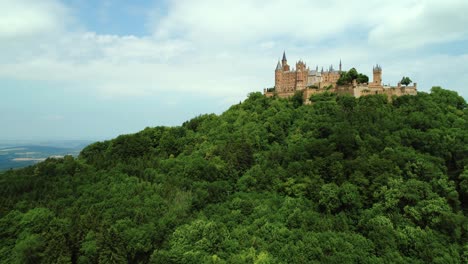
column 344, row 180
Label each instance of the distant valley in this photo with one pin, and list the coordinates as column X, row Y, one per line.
column 18, row 154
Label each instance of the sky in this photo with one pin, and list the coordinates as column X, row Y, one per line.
column 95, row 69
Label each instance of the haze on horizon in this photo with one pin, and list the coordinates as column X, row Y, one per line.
column 78, row 69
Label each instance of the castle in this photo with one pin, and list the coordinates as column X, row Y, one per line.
column 288, row 82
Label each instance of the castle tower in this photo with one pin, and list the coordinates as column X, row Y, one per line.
column 301, row 75
column 377, row 78
column 278, row 76
column 340, row 65
column 299, row 79
column 300, row 65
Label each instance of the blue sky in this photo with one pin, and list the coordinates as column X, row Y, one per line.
column 82, row 69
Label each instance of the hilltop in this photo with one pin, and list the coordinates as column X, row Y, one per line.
column 344, row 180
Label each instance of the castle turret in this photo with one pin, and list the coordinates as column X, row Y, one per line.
column 377, row 78
column 278, row 66
column 278, row 76
column 300, row 65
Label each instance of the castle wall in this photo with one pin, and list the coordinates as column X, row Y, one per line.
column 327, row 84
column 313, row 80
column 288, row 82
column 344, row 90
column 330, row 77
column 402, row 90
column 353, row 90
column 363, row 90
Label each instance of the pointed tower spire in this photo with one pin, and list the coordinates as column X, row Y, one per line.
column 284, row 61
column 340, row 65
column 278, row 66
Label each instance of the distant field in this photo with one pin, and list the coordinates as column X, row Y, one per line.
column 13, row 157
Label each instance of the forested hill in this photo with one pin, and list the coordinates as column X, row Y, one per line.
column 270, row 180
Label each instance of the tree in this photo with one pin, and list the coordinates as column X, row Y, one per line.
column 353, row 74
column 29, row 249
column 344, row 79
column 405, row 81
column 349, row 76
column 329, row 199
column 362, row 78
column 298, row 98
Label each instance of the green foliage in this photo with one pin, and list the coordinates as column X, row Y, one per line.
column 362, row 78
column 298, row 98
column 270, row 180
column 406, row 81
column 353, row 74
column 323, row 97
column 347, row 78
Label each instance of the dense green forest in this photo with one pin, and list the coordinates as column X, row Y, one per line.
column 270, row 180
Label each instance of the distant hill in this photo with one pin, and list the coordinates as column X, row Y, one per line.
column 17, row 156
column 47, row 143
column 270, row 180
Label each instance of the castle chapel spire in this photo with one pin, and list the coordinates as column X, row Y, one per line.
column 284, row 61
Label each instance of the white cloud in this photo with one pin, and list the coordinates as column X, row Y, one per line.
column 405, row 23
column 227, row 48
column 20, row 18
column 421, row 23
column 249, row 21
